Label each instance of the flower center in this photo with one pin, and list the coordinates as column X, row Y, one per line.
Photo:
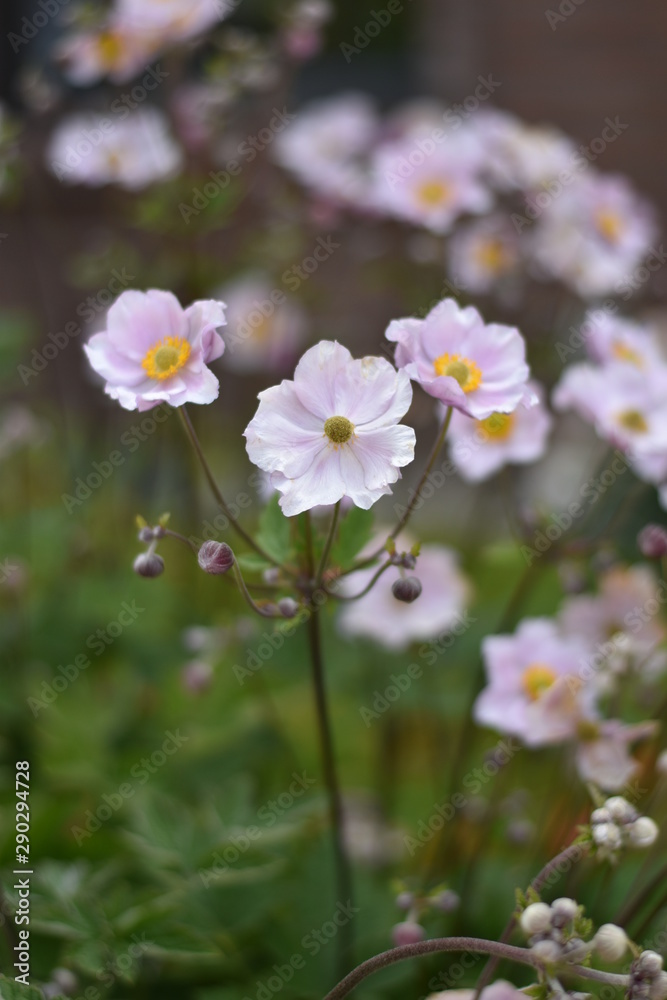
column 633, row 420
column 491, row 254
column 587, row 730
column 109, row 47
column 338, row 429
column 625, row 353
column 431, row 194
column 609, row 225
column 465, row 371
column 166, row 357
column 498, row 425
column 536, row 679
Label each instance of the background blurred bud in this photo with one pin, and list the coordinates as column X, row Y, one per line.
column 288, row 607
column 407, row 932
column 407, row 590
column 643, row 832
column 196, row 676
column 149, row 564
column 447, row 901
column 215, row 557
column 405, row 900
column 145, row 534
column 652, row 541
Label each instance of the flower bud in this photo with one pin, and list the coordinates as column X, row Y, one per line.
column 607, row 835
column 288, row 607
column 649, row 963
column 600, row 816
column 148, row 564
column 407, row 590
column 447, row 901
column 407, row 932
column 610, row 943
column 536, row 919
column 547, row 950
column 564, row 910
column 145, row 534
column 643, row 832
column 652, row 541
column 196, row 676
column 215, row 557
column 405, row 900
column 620, row 809
column 659, row 987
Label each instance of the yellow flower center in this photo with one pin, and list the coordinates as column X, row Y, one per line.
column 625, row 353
column 536, row 679
column 338, row 429
column 498, row 425
column 166, row 357
column 466, row 372
column 492, row 255
column 610, row 225
column 109, row 47
column 431, row 194
column 633, row 420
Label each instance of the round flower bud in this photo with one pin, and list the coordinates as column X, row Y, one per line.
column 607, row 835
column 405, row 900
column 215, row 557
column 447, row 901
column 145, row 534
column 407, row 932
column 659, row 987
column 643, row 832
column 620, row 809
column 196, row 676
column 661, row 763
column 652, row 541
column 407, row 590
column 547, row 950
column 288, row 607
column 650, row 963
column 536, row 919
column 148, row 564
column 610, row 943
column 600, row 816
column 564, row 910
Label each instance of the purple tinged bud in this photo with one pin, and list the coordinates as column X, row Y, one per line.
column 652, row 541
column 149, row 564
column 405, row 900
column 407, row 590
column 288, row 607
column 407, row 932
column 196, row 676
column 215, row 557
column 447, row 901
column 145, row 534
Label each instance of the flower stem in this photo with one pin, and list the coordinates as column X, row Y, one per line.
column 342, row 866
column 362, row 593
column 241, row 584
column 571, row 854
column 495, row 948
column 215, row 489
column 327, row 547
column 416, row 496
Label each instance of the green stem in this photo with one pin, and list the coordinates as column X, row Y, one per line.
column 362, row 593
column 215, row 489
column 327, row 547
column 240, row 582
column 416, row 496
column 343, row 872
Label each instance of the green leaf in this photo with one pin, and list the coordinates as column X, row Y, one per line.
column 356, row 531
column 11, row 990
column 274, row 531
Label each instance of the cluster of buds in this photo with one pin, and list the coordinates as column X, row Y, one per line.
column 408, row 588
column 149, row 563
column 648, row 981
column 415, row 905
column 556, row 932
column 617, row 824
